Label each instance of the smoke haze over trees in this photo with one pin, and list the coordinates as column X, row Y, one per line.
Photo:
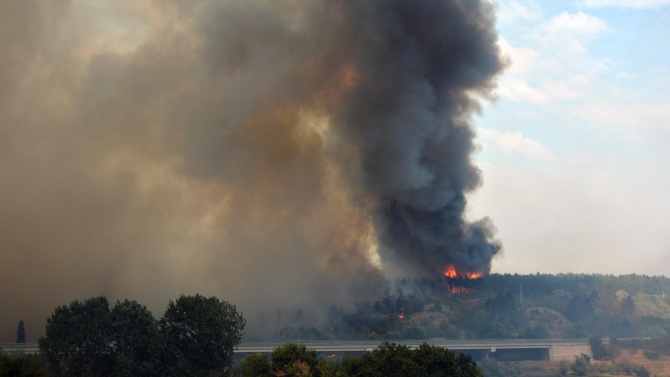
column 154, row 148
column 499, row 306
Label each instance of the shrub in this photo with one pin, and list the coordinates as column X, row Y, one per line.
column 20, row 365
column 642, row 372
column 582, row 365
column 563, row 368
column 651, row 355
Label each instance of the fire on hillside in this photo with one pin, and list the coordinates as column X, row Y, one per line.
column 451, row 273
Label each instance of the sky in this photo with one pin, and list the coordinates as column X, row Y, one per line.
column 575, row 148
column 155, row 148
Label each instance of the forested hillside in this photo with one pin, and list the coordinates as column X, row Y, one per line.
column 503, row 306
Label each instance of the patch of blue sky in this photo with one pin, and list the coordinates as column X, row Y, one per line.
column 581, row 126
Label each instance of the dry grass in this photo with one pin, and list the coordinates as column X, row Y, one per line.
column 659, row 368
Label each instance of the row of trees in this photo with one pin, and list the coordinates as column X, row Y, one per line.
column 195, row 337
column 295, row 360
column 544, row 284
column 388, row 360
column 504, row 306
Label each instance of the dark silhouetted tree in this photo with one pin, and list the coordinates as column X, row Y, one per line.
column 195, row 337
column 77, row 339
column 137, row 343
column 390, row 360
column 201, row 334
column 21, row 332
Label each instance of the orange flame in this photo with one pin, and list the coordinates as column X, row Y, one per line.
column 451, row 272
column 473, row 275
column 401, row 315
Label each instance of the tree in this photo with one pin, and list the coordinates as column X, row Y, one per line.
column 89, row 339
column 77, row 339
column 388, row 360
column 598, row 349
column 20, row 365
column 325, row 368
column 628, row 306
column 601, row 351
column 295, row 369
column 440, row 362
column 21, row 333
column 136, row 340
column 201, row 334
column 256, row 365
column 286, row 356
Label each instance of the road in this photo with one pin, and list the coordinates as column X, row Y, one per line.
column 550, row 348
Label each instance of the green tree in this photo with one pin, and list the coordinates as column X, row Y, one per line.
column 440, row 362
column 77, row 339
column 325, row 368
column 21, row 332
column 286, row 356
column 136, row 340
column 296, row 368
column 388, row 360
column 256, row 365
column 201, row 334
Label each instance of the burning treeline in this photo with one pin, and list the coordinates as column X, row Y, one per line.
column 224, row 147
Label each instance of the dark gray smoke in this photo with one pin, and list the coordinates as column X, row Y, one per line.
column 274, row 154
column 420, row 65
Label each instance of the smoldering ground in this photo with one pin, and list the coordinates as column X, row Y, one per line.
column 273, row 154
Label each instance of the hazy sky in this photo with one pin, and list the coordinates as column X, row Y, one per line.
column 576, row 150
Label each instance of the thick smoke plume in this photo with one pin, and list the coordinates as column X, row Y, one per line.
column 274, row 154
